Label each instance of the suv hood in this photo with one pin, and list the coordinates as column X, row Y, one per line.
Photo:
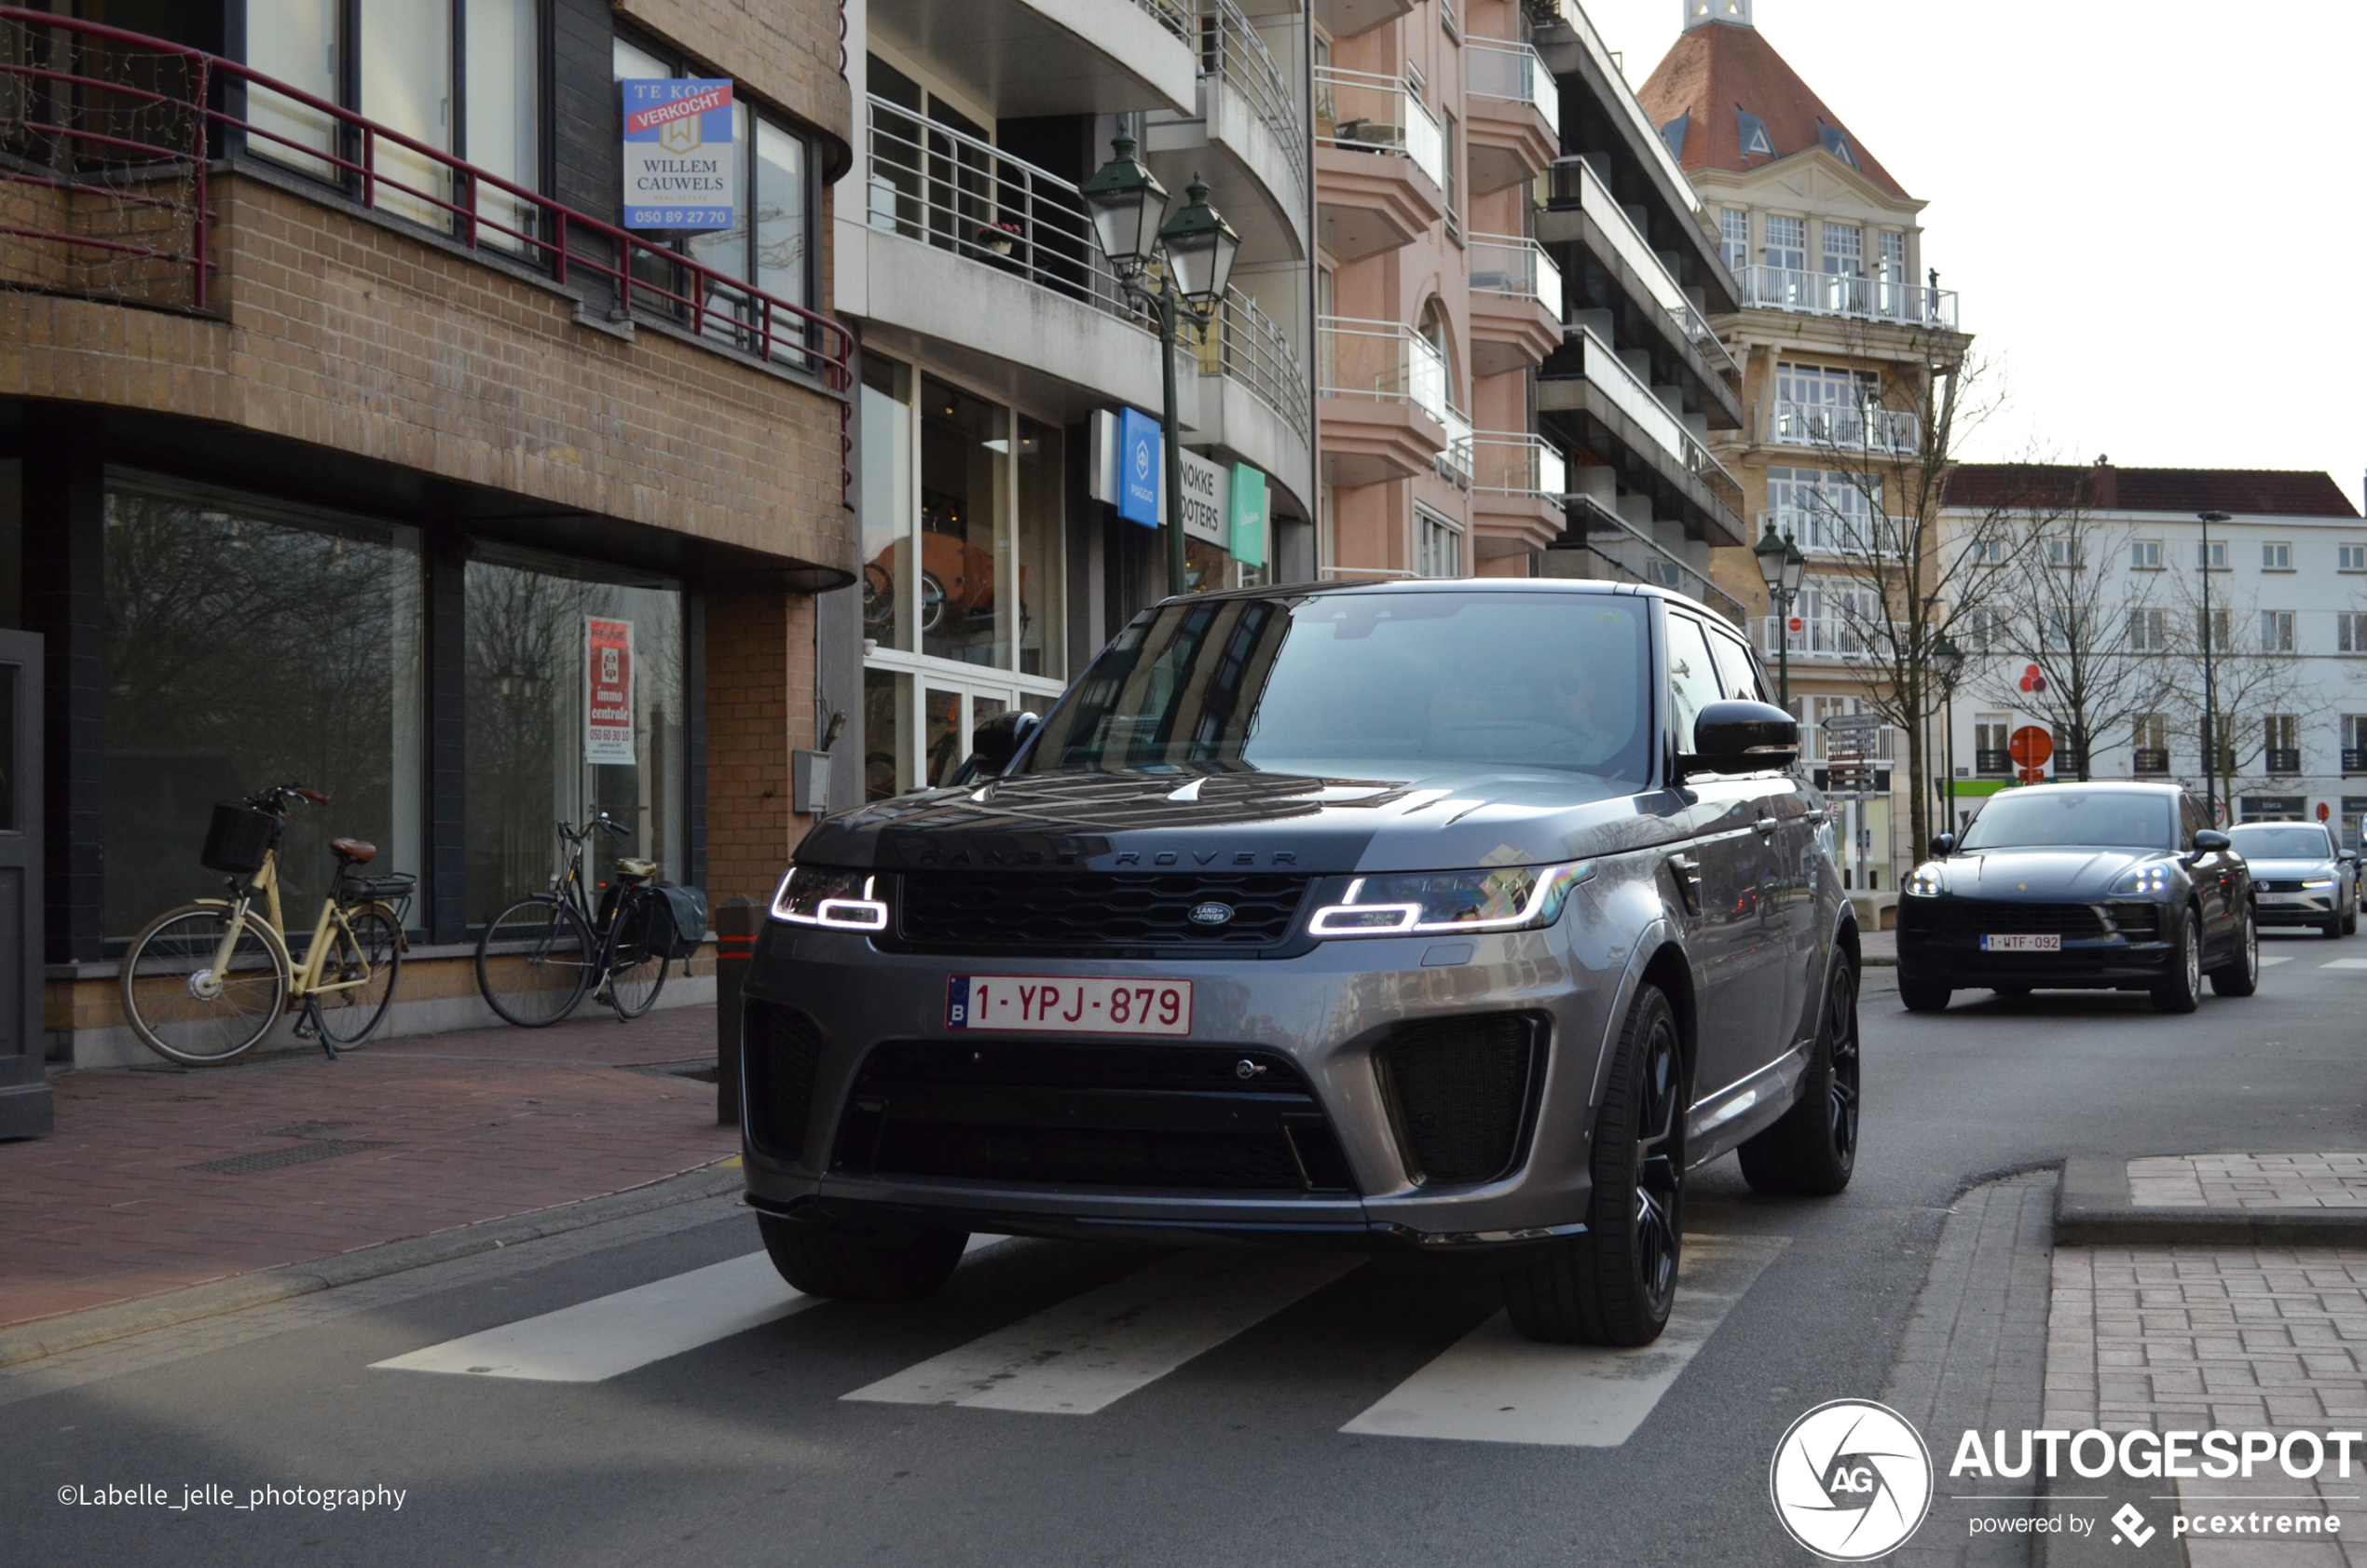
column 2042, row 876
column 1446, row 820
column 2287, row 869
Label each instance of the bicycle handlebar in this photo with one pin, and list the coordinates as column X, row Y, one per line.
column 270, row 799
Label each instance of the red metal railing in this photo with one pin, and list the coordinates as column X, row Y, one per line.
column 51, row 105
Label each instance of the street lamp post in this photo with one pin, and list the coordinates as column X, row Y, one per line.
column 1781, row 567
column 1947, row 662
column 1126, row 203
column 2211, row 685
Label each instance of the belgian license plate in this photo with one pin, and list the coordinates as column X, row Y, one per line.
column 1068, row 1005
column 2022, row 943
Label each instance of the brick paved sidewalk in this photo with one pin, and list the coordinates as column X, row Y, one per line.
column 312, row 1157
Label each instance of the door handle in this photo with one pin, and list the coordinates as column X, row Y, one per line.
column 1765, row 824
column 1818, row 818
column 1689, row 880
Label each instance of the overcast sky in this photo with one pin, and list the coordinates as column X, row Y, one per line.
column 2153, row 211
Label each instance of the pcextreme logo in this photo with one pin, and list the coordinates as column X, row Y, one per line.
column 1851, row 1481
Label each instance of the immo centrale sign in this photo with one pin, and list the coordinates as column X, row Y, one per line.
column 679, row 157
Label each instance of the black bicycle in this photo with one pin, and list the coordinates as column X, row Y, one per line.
column 540, row 956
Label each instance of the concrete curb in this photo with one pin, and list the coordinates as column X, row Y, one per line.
column 50, row 1336
column 2093, row 1208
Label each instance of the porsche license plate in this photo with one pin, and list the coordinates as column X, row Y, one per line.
column 2022, row 943
column 1068, row 1005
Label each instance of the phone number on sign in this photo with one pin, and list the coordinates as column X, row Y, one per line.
column 1058, row 1005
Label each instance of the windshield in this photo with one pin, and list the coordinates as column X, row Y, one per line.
column 2282, row 842
column 1371, row 685
column 2087, row 818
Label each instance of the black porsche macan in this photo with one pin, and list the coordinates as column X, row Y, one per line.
column 2080, row 886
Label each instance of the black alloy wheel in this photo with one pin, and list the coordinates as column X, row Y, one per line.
column 2240, row 975
column 2181, row 990
column 1811, row 1149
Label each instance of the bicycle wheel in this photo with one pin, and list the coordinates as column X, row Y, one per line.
column 190, row 1008
column 364, row 955
column 636, row 973
column 534, row 961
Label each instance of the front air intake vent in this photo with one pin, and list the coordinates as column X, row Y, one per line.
column 1461, row 1092
column 780, row 1051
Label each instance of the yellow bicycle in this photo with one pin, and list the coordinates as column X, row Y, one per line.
column 204, row 983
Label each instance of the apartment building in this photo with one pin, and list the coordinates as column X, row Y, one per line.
column 1839, row 326
column 2109, row 611
column 1515, row 367
column 350, row 400
column 999, row 349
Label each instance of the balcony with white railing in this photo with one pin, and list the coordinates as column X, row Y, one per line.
column 1895, row 301
column 1233, row 54
column 1610, row 373
column 1818, row 637
column 1572, row 183
column 1516, row 302
column 1245, row 346
column 1517, row 481
column 1380, row 163
column 1358, row 112
column 1514, row 112
column 1845, row 429
column 1822, row 531
column 1386, row 412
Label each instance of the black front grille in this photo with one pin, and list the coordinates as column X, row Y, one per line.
column 2277, row 885
column 984, row 912
column 1998, row 917
column 2139, row 922
column 780, row 1051
column 1460, row 1091
column 1038, row 1113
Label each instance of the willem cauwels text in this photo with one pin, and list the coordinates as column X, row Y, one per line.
column 694, row 174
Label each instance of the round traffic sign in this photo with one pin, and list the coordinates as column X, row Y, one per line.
column 2030, row 746
column 2322, row 813
column 1797, row 624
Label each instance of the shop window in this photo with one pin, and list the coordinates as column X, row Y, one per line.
column 247, row 645
column 964, row 444
column 888, row 502
column 887, row 732
column 528, row 758
column 1043, row 584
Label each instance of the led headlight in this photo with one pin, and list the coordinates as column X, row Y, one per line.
column 2318, row 881
column 840, row 900
column 1511, row 898
column 2144, row 879
column 1924, row 883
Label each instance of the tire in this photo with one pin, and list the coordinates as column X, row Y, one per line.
column 2240, row 976
column 1614, row 1285
column 369, row 944
column 2183, row 990
column 1922, row 996
column 2332, row 928
column 534, row 961
column 636, row 974
column 1811, row 1149
column 197, row 1022
column 824, row 1263
column 2350, row 923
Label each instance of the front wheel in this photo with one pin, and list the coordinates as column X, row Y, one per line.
column 826, row 1263
column 1614, row 1285
column 534, row 961
column 2240, row 975
column 1921, row 996
column 1811, row 1149
column 365, row 952
column 198, row 995
column 2183, row 990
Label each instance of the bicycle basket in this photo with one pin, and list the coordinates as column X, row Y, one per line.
column 238, row 840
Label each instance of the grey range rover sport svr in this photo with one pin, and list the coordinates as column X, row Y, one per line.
column 1452, row 921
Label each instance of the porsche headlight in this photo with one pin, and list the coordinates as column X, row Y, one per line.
column 1924, row 883
column 1511, row 898
column 840, row 900
column 2143, row 880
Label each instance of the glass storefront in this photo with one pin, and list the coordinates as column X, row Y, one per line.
column 249, row 645
column 531, row 646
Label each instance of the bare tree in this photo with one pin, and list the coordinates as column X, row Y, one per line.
column 2255, row 680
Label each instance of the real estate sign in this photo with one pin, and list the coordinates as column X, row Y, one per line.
column 607, row 692
column 680, row 154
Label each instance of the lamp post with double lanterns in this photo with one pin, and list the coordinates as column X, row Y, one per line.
column 1782, row 568
column 1197, row 246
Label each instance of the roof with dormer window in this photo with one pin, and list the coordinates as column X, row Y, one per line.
column 1745, row 108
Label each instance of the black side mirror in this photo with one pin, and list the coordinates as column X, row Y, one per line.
column 994, row 743
column 1736, row 737
column 1943, row 844
column 2210, row 841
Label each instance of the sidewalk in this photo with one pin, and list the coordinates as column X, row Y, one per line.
column 160, row 1177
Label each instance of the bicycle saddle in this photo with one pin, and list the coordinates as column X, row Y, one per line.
column 354, row 852
column 636, row 870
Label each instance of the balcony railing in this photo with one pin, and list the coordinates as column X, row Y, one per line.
column 1820, row 531
column 1513, row 72
column 1647, row 134
column 1504, row 263
column 1384, row 361
column 2282, row 759
column 1243, row 344
column 1514, row 463
column 1999, row 764
column 1174, row 15
column 1573, row 183
column 2354, row 760
column 1636, row 400
column 1369, row 113
column 1845, row 426
column 1893, row 300
column 1819, row 636
column 1618, row 544
column 2145, row 760
column 115, row 141
column 1454, row 462
column 1232, row 52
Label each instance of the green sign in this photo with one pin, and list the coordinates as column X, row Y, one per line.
column 1249, row 515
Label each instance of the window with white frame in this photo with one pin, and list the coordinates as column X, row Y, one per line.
column 1894, row 256
column 1990, row 732
column 2063, row 550
column 1844, row 250
column 1438, row 545
column 2280, row 732
column 2215, row 628
column 2351, row 557
column 1824, row 510
column 2276, row 555
column 2144, row 556
column 2354, row 742
column 2152, row 735
column 1990, row 552
column 1735, row 233
column 1983, row 630
column 2148, row 631
column 2061, row 629
column 1787, row 243
column 2212, row 554
column 2276, row 631
column 2350, row 632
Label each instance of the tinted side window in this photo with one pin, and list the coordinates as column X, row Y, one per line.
column 1737, row 673
column 1692, row 676
column 2190, row 817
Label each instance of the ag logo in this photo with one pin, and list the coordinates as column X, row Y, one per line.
column 1851, row 1481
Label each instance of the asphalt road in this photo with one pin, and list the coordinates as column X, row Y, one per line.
column 745, row 1449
